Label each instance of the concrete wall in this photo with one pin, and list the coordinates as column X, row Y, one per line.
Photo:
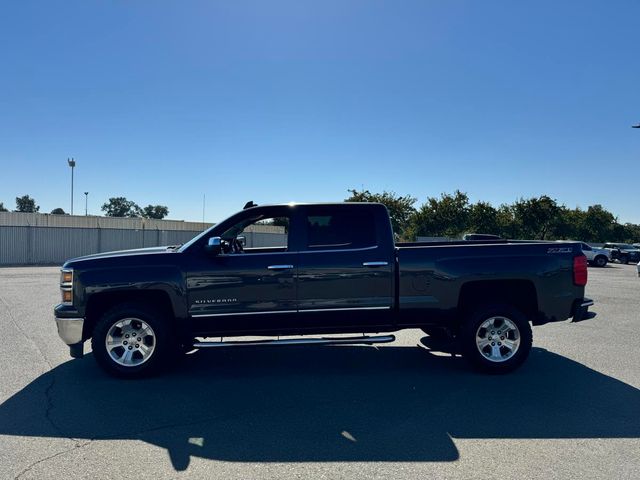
column 40, row 239
column 80, row 221
column 20, row 245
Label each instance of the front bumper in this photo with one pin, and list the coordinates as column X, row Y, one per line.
column 581, row 310
column 70, row 329
column 70, row 323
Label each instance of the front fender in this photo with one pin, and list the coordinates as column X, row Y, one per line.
column 165, row 278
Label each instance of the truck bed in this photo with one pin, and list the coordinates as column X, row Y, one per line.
column 440, row 277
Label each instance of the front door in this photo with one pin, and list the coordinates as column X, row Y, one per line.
column 248, row 289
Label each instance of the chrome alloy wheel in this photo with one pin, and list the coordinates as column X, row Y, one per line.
column 130, row 342
column 498, row 339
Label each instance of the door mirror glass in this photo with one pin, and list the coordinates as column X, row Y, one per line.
column 214, row 245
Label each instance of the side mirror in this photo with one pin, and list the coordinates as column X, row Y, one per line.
column 214, row 245
column 242, row 240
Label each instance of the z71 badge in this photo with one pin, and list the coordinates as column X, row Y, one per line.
column 560, row 250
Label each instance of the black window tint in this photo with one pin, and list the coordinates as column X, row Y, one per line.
column 337, row 230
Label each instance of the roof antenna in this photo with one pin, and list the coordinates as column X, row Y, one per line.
column 249, row 205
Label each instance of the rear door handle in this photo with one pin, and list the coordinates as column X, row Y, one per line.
column 280, row 267
column 375, row 264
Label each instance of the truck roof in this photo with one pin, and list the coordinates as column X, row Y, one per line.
column 322, row 204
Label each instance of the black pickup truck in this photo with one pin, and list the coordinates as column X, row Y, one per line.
column 331, row 269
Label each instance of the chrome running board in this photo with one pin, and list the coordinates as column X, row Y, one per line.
column 363, row 340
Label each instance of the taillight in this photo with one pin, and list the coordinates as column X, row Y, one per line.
column 580, row 270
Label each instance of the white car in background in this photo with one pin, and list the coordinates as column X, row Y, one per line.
column 596, row 256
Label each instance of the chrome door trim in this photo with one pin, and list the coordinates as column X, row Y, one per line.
column 242, row 313
column 375, row 264
column 279, row 267
column 289, row 311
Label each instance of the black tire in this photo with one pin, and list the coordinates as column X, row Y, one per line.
column 163, row 346
column 472, row 329
column 600, row 261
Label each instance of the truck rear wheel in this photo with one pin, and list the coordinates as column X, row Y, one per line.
column 131, row 341
column 496, row 338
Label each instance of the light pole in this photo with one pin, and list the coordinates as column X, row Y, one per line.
column 72, row 164
column 86, row 201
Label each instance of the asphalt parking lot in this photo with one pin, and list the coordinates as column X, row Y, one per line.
column 393, row 411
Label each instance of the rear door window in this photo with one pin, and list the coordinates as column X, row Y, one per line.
column 340, row 229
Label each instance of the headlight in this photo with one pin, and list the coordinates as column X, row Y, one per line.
column 66, row 286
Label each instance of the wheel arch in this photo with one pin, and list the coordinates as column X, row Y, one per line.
column 99, row 303
column 520, row 294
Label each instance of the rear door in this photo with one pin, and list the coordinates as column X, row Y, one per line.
column 345, row 267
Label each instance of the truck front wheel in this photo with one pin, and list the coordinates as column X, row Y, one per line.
column 131, row 340
column 496, row 338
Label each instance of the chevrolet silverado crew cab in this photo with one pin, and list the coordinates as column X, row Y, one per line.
column 333, row 269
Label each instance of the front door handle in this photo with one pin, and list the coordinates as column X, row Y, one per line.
column 279, row 267
column 375, row 264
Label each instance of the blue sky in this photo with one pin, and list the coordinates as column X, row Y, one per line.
column 163, row 102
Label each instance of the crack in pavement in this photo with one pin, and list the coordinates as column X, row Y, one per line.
column 47, row 391
column 23, row 333
column 138, row 433
column 77, row 446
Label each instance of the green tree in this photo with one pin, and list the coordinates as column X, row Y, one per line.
column 597, row 225
column 632, row 233
column 447, row 216
column 121, row 207
column 58, row 211
column 568, row 224
column 483, row 218
column 400, row 207
column 2, row 208
column 508, row 227
column 155, row 211
column 537, row 217
column 26, row 204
